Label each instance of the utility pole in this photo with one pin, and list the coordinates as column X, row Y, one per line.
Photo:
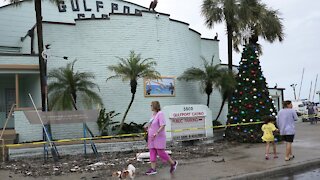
column 43, row 81
column 42, row 63
column 294, row 90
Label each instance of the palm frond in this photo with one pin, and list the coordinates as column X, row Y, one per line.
column 89, row 98
column 204, row 61
column 193, row 74
column 230, row 11
column 56, row 86
column 60, row 100
column 227, row 83
column 66, row 84
column 212, row 11
column 86, row 84
column 264, row 21
column 113, row 77
column 134, row 67
column 149, row 74
column 270, row 26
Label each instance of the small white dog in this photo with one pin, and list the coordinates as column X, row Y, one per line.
column 127, row 173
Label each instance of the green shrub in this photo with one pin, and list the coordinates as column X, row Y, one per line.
column 216, row 123
column 130, row 128
column 105, row 121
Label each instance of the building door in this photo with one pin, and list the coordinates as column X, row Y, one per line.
column 10, row 96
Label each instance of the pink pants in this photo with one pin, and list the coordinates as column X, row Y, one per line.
column 162, row 154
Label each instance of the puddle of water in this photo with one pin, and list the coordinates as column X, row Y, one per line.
column 307, row 175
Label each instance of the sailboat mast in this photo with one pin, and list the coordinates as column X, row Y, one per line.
column 310, row 91
column 315, row 88
column 301, row 84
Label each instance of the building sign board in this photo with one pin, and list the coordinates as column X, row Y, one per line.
column 62, row 117
column 195, row 118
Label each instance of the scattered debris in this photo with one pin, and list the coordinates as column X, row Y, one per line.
column 218, row 159
column 97, row 164
column 107, row 162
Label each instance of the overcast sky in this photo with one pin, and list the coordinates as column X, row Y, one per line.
column 282, row 63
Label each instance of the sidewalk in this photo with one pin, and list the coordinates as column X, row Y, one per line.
column 247, row 161
column 242, row 162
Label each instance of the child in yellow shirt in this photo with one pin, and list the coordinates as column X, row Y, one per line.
column 268, row 129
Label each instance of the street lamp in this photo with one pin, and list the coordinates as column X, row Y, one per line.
column 294, row 90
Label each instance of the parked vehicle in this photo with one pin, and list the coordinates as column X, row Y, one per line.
column 300, row 107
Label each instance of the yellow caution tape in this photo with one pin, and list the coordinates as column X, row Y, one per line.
column 129, row 135
column 311, row 116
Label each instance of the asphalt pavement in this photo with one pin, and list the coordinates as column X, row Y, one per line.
column 247, row 161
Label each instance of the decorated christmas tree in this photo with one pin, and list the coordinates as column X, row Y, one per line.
column 250, row 101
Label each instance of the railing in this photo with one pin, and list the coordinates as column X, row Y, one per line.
column 9, row 49
column 4, row 149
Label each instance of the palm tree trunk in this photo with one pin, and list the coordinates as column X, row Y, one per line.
column 74, row 101
column 126, row 113
column 75, row 106
column 229, row 31
column 42, row 65
column 208, row 91
column 221, row 107
column 208, row 99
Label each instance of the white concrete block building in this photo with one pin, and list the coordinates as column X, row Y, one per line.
column 95, row 33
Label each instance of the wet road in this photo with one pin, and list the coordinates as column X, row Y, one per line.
column 307, row 175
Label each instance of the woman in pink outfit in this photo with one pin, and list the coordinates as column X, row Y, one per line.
column 157, row 139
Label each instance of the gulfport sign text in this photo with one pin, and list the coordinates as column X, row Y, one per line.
column 81, row 6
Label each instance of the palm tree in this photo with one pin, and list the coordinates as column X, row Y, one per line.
column 209, row 77
column 239, row 15
column 132, row 69
column 215, row 11
column 67, row 87
column 259, row 19
column 227, row 84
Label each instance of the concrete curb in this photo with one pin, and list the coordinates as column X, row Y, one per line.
column 279, row 171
